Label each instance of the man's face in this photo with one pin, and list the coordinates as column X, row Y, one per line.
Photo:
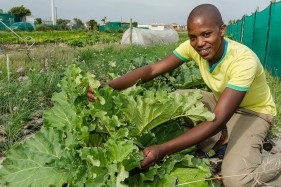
column 206, row 37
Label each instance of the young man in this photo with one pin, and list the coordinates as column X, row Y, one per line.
column 240, row 99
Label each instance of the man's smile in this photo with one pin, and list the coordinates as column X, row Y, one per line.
column 204, row 52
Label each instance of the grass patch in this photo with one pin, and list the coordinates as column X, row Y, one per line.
column 274, row 84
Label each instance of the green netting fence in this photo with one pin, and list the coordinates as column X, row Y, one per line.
column 8, row 19
column 261, row 32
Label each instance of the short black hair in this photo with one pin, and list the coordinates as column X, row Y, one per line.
column 207, row 11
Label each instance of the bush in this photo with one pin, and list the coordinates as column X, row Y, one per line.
column 42, row 28
column 120, row 31
column 107, row 31
column 75, row 43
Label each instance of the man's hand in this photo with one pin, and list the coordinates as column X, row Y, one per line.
column 90, row 92
column 153, row 154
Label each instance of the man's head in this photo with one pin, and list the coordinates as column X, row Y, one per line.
column 206, row 30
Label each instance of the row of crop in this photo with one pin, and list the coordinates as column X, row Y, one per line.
column 73, row 38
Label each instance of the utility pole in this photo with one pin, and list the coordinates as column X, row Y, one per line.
column 131, row 32
column 56, row 14
column 53, row 12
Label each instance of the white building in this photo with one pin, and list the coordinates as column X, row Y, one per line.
column 159, row 27
column 154, row 26
column 30, row 19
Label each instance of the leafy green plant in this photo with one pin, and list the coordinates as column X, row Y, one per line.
column 75, row 43
column 42, row 28
column 53, row 36
column 99, row 144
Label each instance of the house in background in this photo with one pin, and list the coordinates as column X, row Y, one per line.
column 30, row 19
column 179, row 28
column 162, row 26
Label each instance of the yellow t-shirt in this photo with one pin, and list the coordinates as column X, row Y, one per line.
column 240, row 69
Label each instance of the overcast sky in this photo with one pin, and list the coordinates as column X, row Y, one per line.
column 141, row 11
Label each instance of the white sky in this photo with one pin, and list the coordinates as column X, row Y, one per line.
column 141, row 11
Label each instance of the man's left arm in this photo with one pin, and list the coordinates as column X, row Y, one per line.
column 225, row 108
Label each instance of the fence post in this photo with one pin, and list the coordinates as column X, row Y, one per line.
column 242, row 29
column 131, row 32
column 254, row 30
column 267, row 36
column 8, row 67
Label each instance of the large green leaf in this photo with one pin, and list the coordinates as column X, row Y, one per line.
column 179, row 165
column 188, row 76
column 189, row 170
column 191, row 177
column 34, row 162
column 76, row 82
column 62, row 114
column 154, row 108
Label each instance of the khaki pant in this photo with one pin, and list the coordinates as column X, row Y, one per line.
column 243, row 164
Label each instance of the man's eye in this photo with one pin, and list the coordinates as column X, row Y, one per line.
column 206, row 35
column 192, row 38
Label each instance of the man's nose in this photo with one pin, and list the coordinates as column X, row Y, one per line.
column 200, row 41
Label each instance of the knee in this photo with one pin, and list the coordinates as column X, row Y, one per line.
column 234, row 177
column 228, row 178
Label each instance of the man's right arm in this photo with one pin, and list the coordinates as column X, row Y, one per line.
column 146, row 73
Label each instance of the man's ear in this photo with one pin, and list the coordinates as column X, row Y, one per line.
column 223, row 30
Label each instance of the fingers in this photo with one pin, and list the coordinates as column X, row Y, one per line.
column 90, row 95
column 103, row 84
column 149, row 160
column 91, row 92
column 145, row 164
column 145, row 151
column 153, row 154
column 90, row 89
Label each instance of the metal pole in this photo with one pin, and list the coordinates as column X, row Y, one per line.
column 268, row 31
column 255, row 18
column 242, row 30
column 56, row 14
column 8, row 67
column 53, row 12
column 131, row 32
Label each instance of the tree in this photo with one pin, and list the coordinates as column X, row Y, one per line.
column 39, row 21
column 103, row 20
column 92, row 24
column 62, row 21
column 135, row 24
column 20, row 10
column 78, row 22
